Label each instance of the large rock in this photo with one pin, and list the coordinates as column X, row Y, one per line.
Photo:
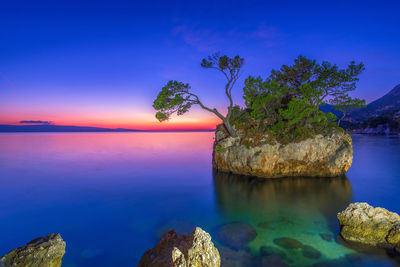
column 41, row 252
column 325, row 156
column 194, row 250
column 362, row 223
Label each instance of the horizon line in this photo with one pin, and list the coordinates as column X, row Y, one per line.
column 74, row 128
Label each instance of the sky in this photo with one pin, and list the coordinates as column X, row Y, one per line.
column 102, row 63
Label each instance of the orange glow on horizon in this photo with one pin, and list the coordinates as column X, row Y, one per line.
column 176, row 123
column 137, row 117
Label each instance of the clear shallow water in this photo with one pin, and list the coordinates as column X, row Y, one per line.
column 112, row 196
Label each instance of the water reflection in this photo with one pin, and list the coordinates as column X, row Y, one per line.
column 294, row 219
column 237, row 193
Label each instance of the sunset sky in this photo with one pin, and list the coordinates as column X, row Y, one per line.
column 102, row 63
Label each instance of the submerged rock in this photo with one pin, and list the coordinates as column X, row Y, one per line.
column 264, row 225
column 288, row 243
column 270, row 250
column 236, row 258
column 172, row 250
column 273, row 260
column 236, row 235
column 310, row 252
column 326, row 237
column 41, row 252
column 324, row 156
column 362, row 223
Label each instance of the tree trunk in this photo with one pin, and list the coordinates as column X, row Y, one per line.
column 229, row 128
column 338, row 122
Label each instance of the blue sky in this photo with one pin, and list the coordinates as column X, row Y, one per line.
column 103, row 62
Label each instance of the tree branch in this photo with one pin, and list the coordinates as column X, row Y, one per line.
column 214, row 110
column 226, row 75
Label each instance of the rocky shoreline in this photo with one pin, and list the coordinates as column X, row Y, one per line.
column 359, row 223
column 377, row 131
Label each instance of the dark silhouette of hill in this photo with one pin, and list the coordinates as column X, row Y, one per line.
column 385, row 104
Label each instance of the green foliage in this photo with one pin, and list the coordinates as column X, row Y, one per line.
column 219, row 148
column 286, row 103
column 222, row 63
column 173, row 98
column 263, row 99
column 161, row 116
column 297, row 112
column 345, row 104
column 283, row 106
column 330, row 117
column 240, row 117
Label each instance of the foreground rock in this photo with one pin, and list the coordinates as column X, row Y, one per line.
column 172, row 250
column 324, row 156
column 42, row 252
column 362, row 223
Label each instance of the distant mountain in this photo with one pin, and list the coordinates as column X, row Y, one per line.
column 381, row 116
column 58, row 128
column 387, row 103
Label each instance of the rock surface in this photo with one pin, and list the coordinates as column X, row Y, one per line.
column 324, row 156
column 41, row 252
column 194, row 250
column 362, row 223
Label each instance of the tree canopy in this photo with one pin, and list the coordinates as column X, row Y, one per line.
column 287, row 101
column 176, row 97
column 345, row 104
column 285, row 104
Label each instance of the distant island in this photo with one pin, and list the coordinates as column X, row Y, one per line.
column 62, row 128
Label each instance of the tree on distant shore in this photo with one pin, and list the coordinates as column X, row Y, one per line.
column 176, row 97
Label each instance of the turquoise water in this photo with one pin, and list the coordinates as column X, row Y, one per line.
column 112, row 195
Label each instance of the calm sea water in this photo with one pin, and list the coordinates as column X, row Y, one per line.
column 112, row 195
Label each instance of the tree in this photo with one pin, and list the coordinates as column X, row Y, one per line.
column 263, row 99
column 345, row 104
column 326, row 79
column 294, row 93
column 176, row 97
